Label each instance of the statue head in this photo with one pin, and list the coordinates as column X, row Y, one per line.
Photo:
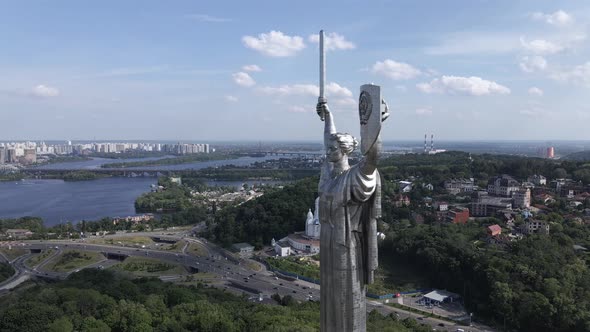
column 341, row 145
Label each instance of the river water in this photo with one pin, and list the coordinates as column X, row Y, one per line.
column 95, row 163
column 58, row 201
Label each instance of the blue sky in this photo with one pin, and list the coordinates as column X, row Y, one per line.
column 248, row 70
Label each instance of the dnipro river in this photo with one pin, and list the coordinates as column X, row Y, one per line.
column 57, row 201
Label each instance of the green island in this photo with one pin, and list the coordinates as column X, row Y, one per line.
column 13, row 252
column 7, row 177
column 36, row 259
column 102, row 300
column 71, row 260
column 174, row 160
column 141, row 266
column 66, row 159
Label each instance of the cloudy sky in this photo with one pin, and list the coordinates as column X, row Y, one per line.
column 248, row 70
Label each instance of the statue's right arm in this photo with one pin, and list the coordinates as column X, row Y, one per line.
column 329, row 126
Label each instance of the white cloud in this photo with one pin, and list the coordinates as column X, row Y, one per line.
column 559, row 18
column 395, row 70
column 208, row 18
column 231, row 99
column 534, row 91
column 243, row 79
column 275, row 43
column 300, row 109
column 533, row 63
column 474, row 42
column 473, row 85
column 251, row 68
column 45, row 91
column 332, row 90
column 346, row 102
column 577, row 75
column 295, row 89
column 130, row 71
column 333, row 41
column 335, row 90
column 423, row 111
column 528, row 112
column 401, row 88
column 541, row 46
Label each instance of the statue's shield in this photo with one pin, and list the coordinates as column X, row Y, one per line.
column 370, row 116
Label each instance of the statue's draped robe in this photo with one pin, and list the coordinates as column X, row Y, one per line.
column 350, row 203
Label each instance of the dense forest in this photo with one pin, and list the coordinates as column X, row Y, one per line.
column 273, row 215
column 173, row 198
column 539, row 283
column 437, row 168
column 6, row 271
column 100, row 300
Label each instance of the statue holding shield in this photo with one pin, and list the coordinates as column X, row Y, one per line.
column 349, row 205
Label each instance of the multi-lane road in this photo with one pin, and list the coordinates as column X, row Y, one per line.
column 234, row 274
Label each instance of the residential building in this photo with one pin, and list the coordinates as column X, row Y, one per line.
column 456, row 186
column 405, row 186
column 282, row 249
column 2, row 155
column 243, row 249
column 538, row 180
column 494, row 230
column 30, row 156
column 545, row 198
column 400, row 200
column 521, row 198
column 503, row 185
column 483, row 205
column 532, row 226
column 428, row 186
column 458, row 215
column 18, row 233
column 441, row 206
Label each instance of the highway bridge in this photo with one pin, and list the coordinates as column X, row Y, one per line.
column 235, row 276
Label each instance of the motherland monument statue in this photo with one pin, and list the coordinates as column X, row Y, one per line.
column 349, row 205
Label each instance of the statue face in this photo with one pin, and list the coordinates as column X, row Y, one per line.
column 334, row 153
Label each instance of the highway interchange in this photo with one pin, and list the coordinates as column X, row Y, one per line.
column 233, row 275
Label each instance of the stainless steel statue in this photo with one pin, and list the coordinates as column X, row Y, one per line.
column 350, row 203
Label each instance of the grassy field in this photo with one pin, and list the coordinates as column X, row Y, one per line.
column 13, row 253
column 38, row 258
column 71, row 260
column 197, row 249
column 143, row 266
column 302, row 266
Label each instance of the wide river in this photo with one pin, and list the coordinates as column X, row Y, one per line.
column 58, row 201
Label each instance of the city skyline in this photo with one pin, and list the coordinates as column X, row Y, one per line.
column 464, row 70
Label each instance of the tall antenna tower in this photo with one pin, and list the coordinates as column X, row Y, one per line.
column 432, row 142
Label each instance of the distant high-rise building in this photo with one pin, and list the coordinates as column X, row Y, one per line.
column 2, row 155
column 550, row 152
column 30, row 156
column 11, row 156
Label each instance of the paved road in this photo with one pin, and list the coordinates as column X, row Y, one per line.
column 234, row 275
